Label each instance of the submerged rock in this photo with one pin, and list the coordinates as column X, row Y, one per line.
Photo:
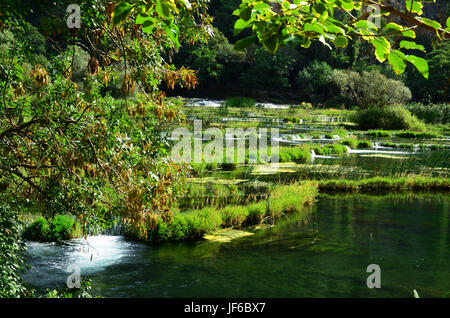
column 226, row 235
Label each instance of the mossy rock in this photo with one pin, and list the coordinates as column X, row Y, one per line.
column 226, row 235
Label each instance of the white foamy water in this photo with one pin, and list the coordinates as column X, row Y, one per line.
column 49, row 261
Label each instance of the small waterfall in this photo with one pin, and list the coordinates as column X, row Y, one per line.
column 313, row 155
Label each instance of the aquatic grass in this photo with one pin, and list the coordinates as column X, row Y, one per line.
column 295, row 154
column 356, row 144
column 350, row 142
column 330, row 149
column 379, row 134
column 193, row 224
column 341, row 132
column 234, row 216
column 290, row 198
column 364, row 144
column 384, row 183
column 256, row 212
column 417, row 135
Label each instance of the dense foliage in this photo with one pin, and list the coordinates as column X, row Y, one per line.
column 66, row 144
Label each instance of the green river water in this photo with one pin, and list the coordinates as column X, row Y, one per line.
column 323, row 252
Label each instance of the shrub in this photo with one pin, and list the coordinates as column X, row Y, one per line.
column 295, row 154
column 256, row 212
column 327, row 150
column 364, row 144
column 379, row 134
column 432, row 113
column 12, row 249
column 393, row 118
column 64, row 227
column 240, row 102
column 370, row 88
column 234, row 216
column 350, row 142
column 314, row 81
column 39, row 230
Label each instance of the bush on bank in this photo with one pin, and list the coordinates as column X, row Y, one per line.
column 392, row 118
column 62, row 227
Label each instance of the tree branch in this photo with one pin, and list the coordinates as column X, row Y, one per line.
column 410, row 18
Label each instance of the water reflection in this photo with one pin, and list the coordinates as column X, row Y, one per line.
column 323, row 253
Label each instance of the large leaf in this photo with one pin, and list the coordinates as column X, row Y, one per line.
column 271, row 44
column 246, row 14
column 172, row 33
column 313, row 28
column 121, row 13
column 341, row 41
column 382, row 48
column 244, row 43
column 240, row 25
column 414, row 6
column 420, row 63
column 431, row 23
column 163, row 9
column 397, row 60
column 411, row 46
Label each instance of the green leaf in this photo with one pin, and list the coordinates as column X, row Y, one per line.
column 121, row 13
column 411, row 46
column 163, row 9
column 364, row 24
column 341, row 41
column 172, row 33
column 431, row 23
column 397, row 60
column 244, row 43
column 347, row 6
column 313, row 28
column 148, row 27
column 414, row 6
column 382, row 48
column 409, row 34
column 420, row 63
column 335, row 29
column 271, row 44
column 448, row 22
column 246, row 14
column 392, row 27
column 240, row 25
column 142, row 18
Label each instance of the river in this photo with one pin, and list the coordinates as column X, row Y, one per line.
column 323, row 252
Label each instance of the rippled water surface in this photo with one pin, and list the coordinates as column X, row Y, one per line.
column 321, row 253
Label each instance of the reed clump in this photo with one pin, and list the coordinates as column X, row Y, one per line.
column 193, row 224
column 386, row 184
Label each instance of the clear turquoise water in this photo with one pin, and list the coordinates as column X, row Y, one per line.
column 323, row 253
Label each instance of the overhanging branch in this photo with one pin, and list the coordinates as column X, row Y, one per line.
column 411, row 19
